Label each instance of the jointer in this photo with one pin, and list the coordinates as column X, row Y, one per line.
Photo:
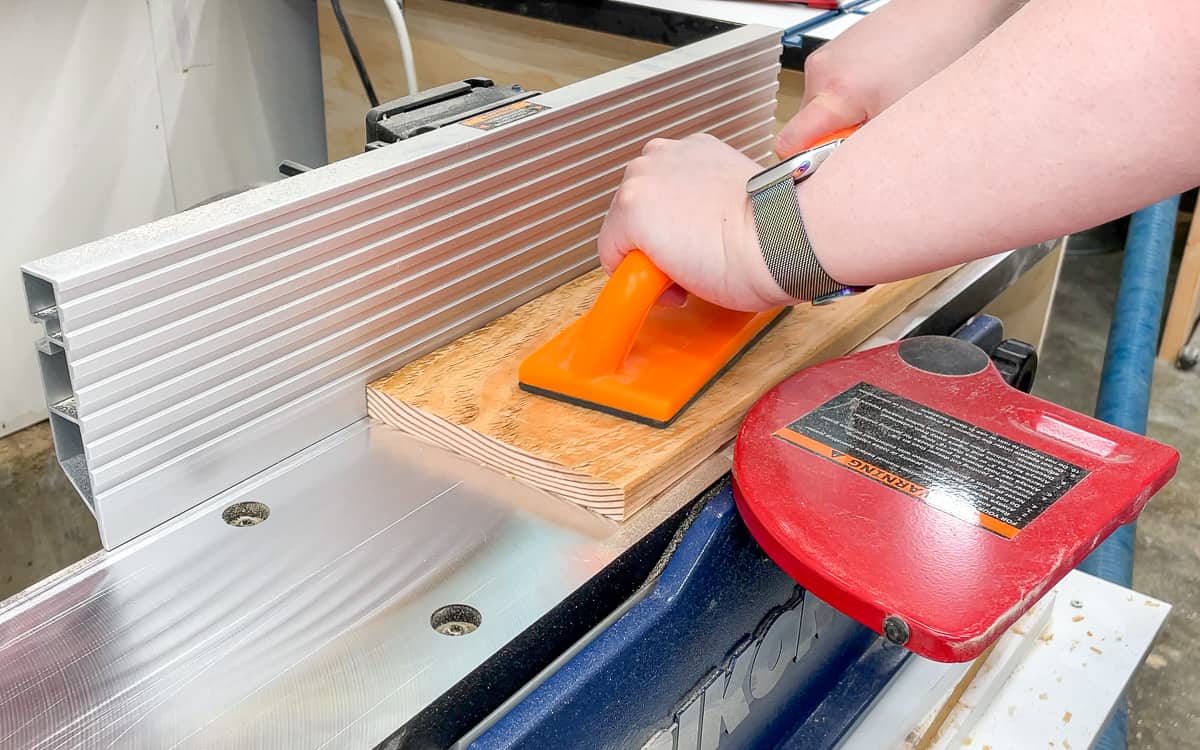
column 282, row 571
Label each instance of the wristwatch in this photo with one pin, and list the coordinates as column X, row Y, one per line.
column 785, row 245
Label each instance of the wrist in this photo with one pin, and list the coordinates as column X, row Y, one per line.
column 830, row 230
column 761, row 282
column 784, row 241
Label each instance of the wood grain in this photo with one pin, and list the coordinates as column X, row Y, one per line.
column 464, row 397
column 1185, row 300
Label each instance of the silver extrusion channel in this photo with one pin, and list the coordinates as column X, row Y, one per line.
column 190, row 354
column 312, row 627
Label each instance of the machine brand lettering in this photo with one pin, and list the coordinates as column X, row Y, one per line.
column 776, row 650
column 725, row 701
column 725, row 697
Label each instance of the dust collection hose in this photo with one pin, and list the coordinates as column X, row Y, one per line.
column 1124, row 398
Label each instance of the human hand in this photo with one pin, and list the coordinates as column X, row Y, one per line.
column 684, row 204
column 880, row 59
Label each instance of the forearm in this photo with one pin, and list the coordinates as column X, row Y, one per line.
column 943, row 30
column 1043, row 128
column 882, row 58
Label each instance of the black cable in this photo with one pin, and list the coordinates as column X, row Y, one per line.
column 350, row 45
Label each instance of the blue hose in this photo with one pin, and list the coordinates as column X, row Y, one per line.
column 1124, row 398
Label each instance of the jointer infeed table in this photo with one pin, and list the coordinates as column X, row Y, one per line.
column 209, row 368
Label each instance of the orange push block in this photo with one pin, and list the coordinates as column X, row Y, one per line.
column 637, row 359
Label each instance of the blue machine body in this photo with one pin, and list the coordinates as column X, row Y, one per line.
column 724, row 651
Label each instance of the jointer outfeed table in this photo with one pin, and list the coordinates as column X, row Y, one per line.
column 282, row 571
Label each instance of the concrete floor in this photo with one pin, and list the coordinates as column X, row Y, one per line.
column 45, row 527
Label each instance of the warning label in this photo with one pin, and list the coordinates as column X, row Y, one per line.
column 958, row 468
column 504, row 115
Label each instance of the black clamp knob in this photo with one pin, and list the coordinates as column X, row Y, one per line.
column 1017, row 362
column 1015, row 359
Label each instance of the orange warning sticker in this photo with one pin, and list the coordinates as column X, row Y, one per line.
column 504, row 115
column 852, row 462
column 961, row 469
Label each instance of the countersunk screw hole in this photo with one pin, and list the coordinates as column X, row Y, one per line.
column 245, row 514
column 456, row 619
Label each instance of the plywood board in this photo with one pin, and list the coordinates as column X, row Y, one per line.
column 464, row 397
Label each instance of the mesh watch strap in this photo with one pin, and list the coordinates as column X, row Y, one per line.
column 785, row 244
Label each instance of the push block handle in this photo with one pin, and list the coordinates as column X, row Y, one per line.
column 612, row 325
column 837, row 135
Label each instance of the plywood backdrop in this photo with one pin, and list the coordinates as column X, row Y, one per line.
column 452, row 41
column 1185, row 300
column 465, row 398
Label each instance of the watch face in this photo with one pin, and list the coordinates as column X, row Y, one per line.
column 772, row 175
column 800, row 169
column 794, row 168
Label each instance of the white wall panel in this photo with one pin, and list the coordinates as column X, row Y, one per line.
column 120, row 112
column 83, row 154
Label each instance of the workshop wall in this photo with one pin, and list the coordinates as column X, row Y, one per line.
column 120, row 112
column 82, row 150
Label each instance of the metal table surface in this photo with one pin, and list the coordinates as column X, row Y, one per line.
column 312, row 629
